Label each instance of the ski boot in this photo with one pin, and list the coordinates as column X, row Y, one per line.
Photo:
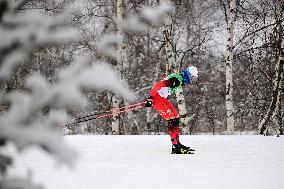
column 181, row 149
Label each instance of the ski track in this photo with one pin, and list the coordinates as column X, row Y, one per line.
column 140, row 162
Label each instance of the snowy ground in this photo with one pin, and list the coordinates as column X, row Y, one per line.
column 141, row 162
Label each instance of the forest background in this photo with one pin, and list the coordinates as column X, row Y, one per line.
column 197, row 34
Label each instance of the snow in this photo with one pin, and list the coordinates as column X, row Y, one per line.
column 134, row 162
column 22, row 123
column 30, row 30
column 157, row 14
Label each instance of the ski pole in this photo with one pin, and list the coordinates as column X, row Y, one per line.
column 111, row 110
column 112, row 114
column 117, row 112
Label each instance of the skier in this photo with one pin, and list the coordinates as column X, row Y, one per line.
column 158, row 99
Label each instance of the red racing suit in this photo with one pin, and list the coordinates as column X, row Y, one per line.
column 161, row 104
column 164, row 107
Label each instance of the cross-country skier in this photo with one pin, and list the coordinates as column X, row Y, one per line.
column 158, row 99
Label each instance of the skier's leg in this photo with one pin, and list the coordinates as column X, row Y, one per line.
column 169, row 113
column 177, row 147
column 166, row 109
column 173, row 128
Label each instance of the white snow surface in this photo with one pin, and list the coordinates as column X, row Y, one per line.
column 141, row 162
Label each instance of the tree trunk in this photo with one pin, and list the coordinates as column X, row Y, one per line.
column 171, row 61
column 183, row 112
column 132, row 123
column 229, row 68
column 124, row 67
column 115, row 100
column 121, row 47
column 171, row 67
column 280, row 118
column 190, row 24
column 274, row 105
column 115, row 119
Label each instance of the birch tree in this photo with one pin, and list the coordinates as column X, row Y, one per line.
column 125, row 70
column 277, row 82
column 280, row 115
column 120, row 48
column 229, row 67
column 172, row 67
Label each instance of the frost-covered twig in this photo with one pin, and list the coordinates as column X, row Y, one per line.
column 150, row 17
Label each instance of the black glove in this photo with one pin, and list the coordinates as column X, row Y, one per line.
column 149, row 102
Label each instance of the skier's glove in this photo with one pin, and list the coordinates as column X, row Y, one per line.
column 164, row 92
column 149, row 102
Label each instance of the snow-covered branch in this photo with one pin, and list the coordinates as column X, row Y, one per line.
column 131, row 23
column 25, row 30
column 23, row 123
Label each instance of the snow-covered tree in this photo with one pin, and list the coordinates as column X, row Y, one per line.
column 22, row 121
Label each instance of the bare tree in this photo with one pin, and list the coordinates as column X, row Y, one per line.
column 277, row 83
column 172, row 67
column 230, row 18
